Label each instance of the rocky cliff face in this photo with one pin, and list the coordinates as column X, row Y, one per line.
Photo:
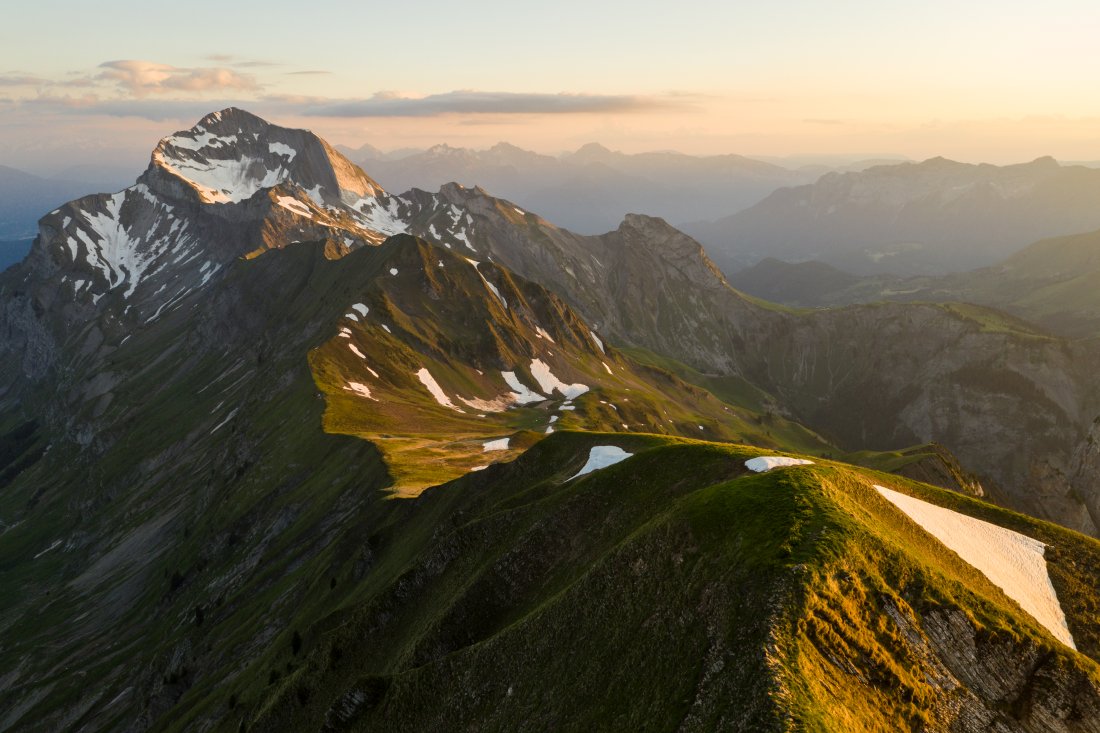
column 1012, row 406
column 1083, row 469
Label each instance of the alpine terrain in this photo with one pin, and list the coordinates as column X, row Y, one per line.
column 930, row 218
column 281, row 450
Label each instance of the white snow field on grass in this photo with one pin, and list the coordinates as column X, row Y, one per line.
column 602, row 456
column 441, row 397
column 360, row 389
column 521, row 393
column 501, row 444
column 767, row 463
column 540, row 370
column 1012, row 561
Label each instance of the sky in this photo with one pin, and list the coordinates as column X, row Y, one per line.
column 98, row 84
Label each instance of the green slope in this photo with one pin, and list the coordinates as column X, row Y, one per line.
column 678, row 591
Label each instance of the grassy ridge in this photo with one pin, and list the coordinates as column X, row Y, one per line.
column 674, row 589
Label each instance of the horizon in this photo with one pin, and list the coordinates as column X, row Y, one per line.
column 792, row 161
column 102, row 88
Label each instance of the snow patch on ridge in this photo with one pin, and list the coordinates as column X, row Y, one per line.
column 1012, row 561
column 492, row 288
column 767, row 463
column 491, row 445
column 602, row 456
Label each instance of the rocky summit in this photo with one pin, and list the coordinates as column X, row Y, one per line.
column 281, row 450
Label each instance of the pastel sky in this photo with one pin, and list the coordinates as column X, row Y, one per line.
column 998, row 81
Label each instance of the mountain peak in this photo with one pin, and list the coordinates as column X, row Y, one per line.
column 231, row 154
column 593, row 151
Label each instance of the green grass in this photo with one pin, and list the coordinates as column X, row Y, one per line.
column 649, row 592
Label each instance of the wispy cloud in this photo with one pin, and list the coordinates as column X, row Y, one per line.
column 145, row 78
column 389, row 104
column 242, row 63
column 309, row 72
column 153, row 109
column 21, row 80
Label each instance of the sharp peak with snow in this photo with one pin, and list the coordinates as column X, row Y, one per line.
column 230, row 155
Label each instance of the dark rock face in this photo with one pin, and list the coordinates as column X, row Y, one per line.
column 997, row 684
column 1011, row 407
column 1084, row 467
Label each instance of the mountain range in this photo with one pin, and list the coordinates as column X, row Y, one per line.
column 25, row 197
column 929, row 218
column 282, row 450
column 1052, row 283
column 591, row 189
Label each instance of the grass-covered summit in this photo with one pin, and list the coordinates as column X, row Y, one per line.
column 677, row 590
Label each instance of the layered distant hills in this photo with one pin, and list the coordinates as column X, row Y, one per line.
column 25, row 197
column 591, row 189
column 1053, row 283
column 281, row 449
column 934, row 217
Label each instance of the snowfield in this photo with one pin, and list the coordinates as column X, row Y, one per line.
column 360, row 389
column 602, row 456
column 441, row 397
column 767, row 463
column 1012, row 561
column 501, row 444
column 521, row 394
column 294, row 205
column 548, row 382
column 598, row 343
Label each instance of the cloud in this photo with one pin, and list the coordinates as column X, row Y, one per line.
column 390, row 104
column 144, row 78
column 307, row 73
column 176, row 97
column 228, row 58
column 157, row 110
column 18, row 80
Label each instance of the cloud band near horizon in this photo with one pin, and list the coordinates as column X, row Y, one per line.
column 471, row 102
